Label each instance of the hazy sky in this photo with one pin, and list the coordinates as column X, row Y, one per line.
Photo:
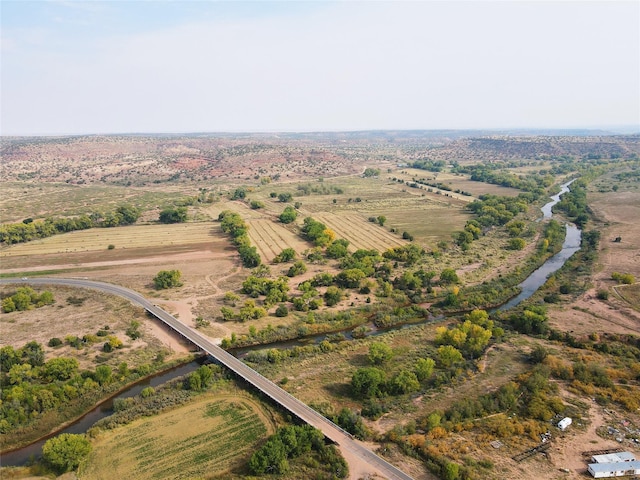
column 167, row 66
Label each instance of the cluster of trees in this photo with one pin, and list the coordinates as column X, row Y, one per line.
column 233, row 224
column 249, row 311
column 470, row 337
column 319, row 189
column 429, row 165
column 371, row 172
column 574, row 203
column 407, row 254
column 492, row 173
column 26, row 298
column 173, row 215
column 292, row 442
column 30, row 229
column 167, row 279
column 532, row 320
column 317, row 232
column 32, row 385
column 373, row 381
column 274, row 291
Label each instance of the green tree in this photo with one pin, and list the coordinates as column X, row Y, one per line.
column 128, row 214
column 405, row 382
column 381, row 220
column 449, row 276
column 379, row 353
column 288, row 215
column 424, row 368
column 449, row 355
column 173, row 215
column 298, row 268
column 65, row 452
column 167, row 279
column 59, row 369
column 8, row 306
column 516, row 243
column 103, row 374
column 338, row 248
column 285, row 255
column 367, row 382
column 332, row 296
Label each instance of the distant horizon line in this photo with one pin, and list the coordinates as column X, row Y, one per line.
column 601, row 130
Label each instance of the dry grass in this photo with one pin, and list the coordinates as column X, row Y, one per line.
column 130, row 237
column 97, row 310
column 216, row 434
column 271, row 238
column 360, row 232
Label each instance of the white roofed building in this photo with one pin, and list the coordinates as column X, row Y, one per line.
column 617, row 469
column 614, row 457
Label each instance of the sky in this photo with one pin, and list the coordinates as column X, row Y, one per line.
column 98, row 67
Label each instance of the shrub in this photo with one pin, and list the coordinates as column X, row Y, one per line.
column 625, row 278
column 167, row 279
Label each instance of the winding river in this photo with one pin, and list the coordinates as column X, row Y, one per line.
column 528, row 287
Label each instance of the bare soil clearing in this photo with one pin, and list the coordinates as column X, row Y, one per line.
column 587, row 313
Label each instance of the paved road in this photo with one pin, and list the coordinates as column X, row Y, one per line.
column 295, row 406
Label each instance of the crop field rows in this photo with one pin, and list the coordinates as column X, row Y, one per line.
column 360, row 233
column 271, row 238
column 200, row 438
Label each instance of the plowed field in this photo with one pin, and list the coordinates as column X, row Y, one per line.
column 360, row 232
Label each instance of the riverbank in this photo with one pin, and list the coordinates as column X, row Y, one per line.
column 18, row 449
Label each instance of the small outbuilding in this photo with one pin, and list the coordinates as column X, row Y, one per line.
column 618, row 469
column 564, row 423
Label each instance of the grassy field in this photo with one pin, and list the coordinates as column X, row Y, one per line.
column 39, row 200
column 213, row 436
column 89, row 312
column 134, row 236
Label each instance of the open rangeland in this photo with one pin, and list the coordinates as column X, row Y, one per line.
column 619, row 313
column 82, row 313
column 212, row 436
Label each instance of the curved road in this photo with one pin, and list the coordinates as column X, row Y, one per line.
column 288, row 401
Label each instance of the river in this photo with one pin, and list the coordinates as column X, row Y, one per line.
column 529, row 286
column 24, row 455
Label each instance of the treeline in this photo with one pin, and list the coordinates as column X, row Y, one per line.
column 233, row 224
column 534, row 183
column 574, row 204
column 30, row 229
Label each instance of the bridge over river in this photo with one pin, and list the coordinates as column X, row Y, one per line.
column 333, row 432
